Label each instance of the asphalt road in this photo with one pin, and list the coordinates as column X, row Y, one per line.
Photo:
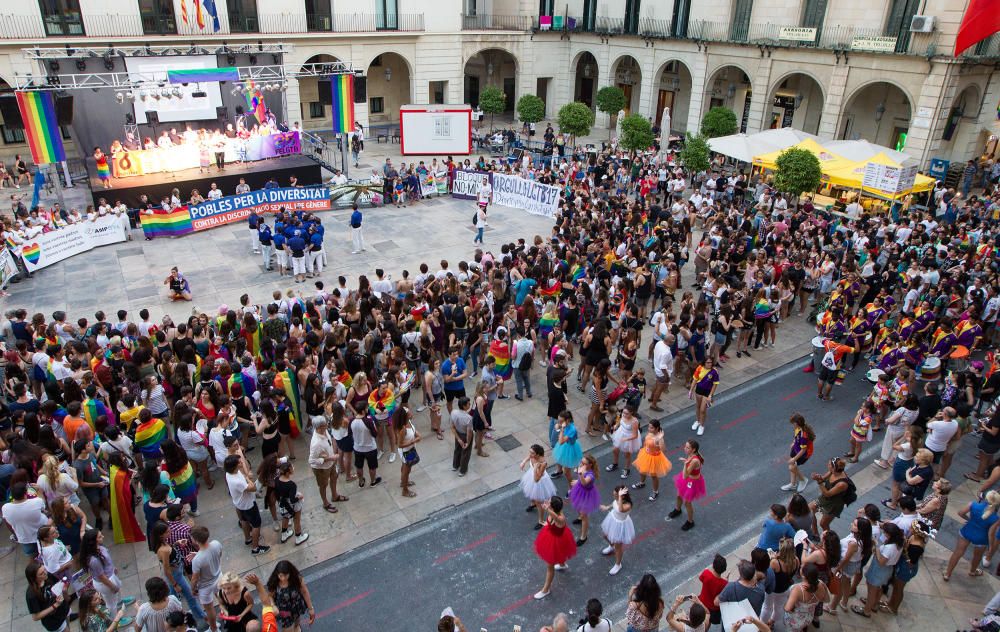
column 478, row 557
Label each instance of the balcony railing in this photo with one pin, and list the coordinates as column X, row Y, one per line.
column 285, row 23
column 989, row 47
column 21, row 26
column 319, row 22
column 243, row 23
column 862, row 39
column 113, row 25
column 490, row 22
column 159, row 24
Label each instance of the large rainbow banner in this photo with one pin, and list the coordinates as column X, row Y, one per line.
column 342, row 88
column 38, row 111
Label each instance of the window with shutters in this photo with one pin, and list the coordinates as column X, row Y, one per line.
column 589, row 15
column 679, row 20
column 546, row 7
column 632, row 16
column 740, row 27
column 386, row 15
column 898, row 23
column 813, row 14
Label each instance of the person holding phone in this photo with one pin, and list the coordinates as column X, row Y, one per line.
column 697, row 616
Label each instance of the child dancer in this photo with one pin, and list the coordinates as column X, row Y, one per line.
column 536, row 484
column 567, row 451
column 689, row 483
column 554, row 544
column 625, row 439
column 617, row 526
column 584, row 496
column 651, row 460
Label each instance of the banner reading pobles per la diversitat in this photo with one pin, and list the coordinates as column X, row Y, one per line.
column 233, row 208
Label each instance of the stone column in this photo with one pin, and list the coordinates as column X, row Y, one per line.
column 698, row 78
column 831, row 120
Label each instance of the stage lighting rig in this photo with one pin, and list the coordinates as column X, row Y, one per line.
column 253, row 60
column 54, row 66
column 81, row 65
column 120, row 97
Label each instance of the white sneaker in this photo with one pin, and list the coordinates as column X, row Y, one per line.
column 378, row 457
column 701, row 430
column 354, row 252
column 608, row 550
column 787, row 487
column 606, row 437
column 541, row 595
column 277, row 527
column 694, row 426
column 392, row 457
column 803, row 485
column 614, row 569
column 300, row 538
column 421, row 408
column 561, row 567
column 285, row 535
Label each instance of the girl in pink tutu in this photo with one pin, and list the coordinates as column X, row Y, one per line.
column 584, row 495
column 689, row 483
column 617, row 526
column 554, row 544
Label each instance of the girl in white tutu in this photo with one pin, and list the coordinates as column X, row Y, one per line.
column 536, row 484
column 625, row 439
column 617, row 526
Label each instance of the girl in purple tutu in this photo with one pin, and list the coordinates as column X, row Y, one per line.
column 584, row 495
column 689, row 483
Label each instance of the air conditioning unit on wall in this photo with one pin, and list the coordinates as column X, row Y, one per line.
column 922, row 24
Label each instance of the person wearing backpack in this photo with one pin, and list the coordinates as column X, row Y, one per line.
column 524, row 351
column 836, row 490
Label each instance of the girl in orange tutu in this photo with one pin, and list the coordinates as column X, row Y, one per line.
column 651, row 460
column 690, row 484
column 555, row 544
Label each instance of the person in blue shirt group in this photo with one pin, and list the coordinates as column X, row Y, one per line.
column 356, row 236
column 314, row 266
column 279, row 250
column 266, row 244
column 296, row 247
column 253, row 222
column 775, row 528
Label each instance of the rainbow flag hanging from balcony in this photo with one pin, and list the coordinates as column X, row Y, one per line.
column 38, row 111
column 342, row 88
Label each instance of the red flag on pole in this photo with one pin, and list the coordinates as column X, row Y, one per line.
column 982, row 19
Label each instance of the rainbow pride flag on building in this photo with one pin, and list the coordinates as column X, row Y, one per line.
column 41, row 127
column 342, row 90
column 126, row 527
column 167, row 223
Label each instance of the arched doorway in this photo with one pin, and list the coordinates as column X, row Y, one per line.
column 878, row 112
column 674, row 92
column 314, row 95
column 491, row 67
column 729, row 86
column 585, row 75
column 795, row 101
column 959, row 136
column 626, row 74
column 388, row 80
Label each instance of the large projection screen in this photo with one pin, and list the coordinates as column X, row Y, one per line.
column 435, row 130
column 150, row 70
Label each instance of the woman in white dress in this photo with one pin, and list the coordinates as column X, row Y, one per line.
column 536, row 485
column 617, row 526
column 625, row 439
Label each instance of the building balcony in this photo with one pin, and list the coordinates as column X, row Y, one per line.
column 846, row 38
column 490, row 22
column 988, row 48
column 286, row 23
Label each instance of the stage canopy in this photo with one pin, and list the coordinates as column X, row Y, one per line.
column 827, row 159
column 744, row 147
column 859, row 150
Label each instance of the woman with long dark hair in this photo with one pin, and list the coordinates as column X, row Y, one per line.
column 291, row 596
column 172, row 564
column 880, row 571
column 182, row 477
column 43, row 603
column 804, row 598
column 407, row 438
column 95, row 616
column 94, row 557
column 645, row 605
column 855, row 550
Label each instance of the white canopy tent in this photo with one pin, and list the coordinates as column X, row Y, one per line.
column 744, row 147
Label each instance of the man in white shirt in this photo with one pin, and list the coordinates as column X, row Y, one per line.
column 940, row 432
column 242, row 490
column 214, row 193
column 903, row 232
column 522, row 378
column 24, row 516
column 383, row 285
column 663, row 367
column 853, row 210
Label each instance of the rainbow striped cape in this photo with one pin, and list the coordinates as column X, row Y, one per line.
column 123, row 522
column 287, row 382
column 500, row 351
column 553, row 289
column 345, row 379
column 149, row 436
column 381, row 408
column 546, row 323
column 577, row 272
column 253, row 339
column 92, row 409
column 184, row 484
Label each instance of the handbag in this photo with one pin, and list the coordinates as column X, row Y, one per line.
column 410, row 457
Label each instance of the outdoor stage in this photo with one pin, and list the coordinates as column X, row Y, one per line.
column 159, row 185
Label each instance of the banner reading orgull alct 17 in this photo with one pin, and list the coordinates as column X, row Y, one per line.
column 517, row 192
column 234, row 208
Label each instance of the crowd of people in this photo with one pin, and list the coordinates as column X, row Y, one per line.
column 135, row 416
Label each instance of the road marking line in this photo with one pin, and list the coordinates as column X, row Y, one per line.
column 509, row 609
column 465, row 549
column 343, row 604
column 795, row 394
column 739, row 420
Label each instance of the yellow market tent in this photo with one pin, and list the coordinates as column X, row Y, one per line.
column 851, row 176
column 827, row 159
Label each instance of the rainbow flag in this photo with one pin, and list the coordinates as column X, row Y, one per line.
column 577, row 273
column 381, row 408
column 167, row 223
column 149, row 436
column 501, row 353
column 123, row 521
column 255, row 101
column 546, row 323
column 342, row 89
column 92, row 409
column 345, row 379
column 103, row 170
column 287, row 382
column 253, row 339
column 552, row 290
column 38, row 111
column 184, row 484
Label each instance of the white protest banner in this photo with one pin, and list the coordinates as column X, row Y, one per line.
column 466, row 184
column 517, row 192
column 8, row 267
column 52, row 247
column 427, row 185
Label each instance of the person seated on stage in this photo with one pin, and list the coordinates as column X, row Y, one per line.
column 214, row 193
column 175, row 138
column 190, row 136
column 131, row 142
column 175, row 198
column 116, row 147
column 293, row 182
column 230, row 131
column 271, row 183
column 180, row 290
column 103, row 208
column 74, row 217
column 165, row 204
column 242, row 187
column 196, row 197
column 164, row 142
column 91, row 213
column 148, row 143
